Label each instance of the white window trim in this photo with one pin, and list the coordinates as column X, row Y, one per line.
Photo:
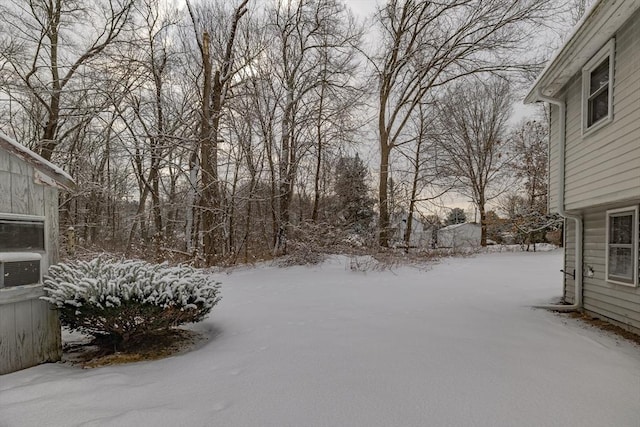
column 22, row 217
column 36, row 218
column 634, row 211
column 33, row 291
column 607, row 50
column 21, row 293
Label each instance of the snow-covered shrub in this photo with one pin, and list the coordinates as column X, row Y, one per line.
column 379, row 262
column 300, row 253
column 362, row 263
column 122, row 301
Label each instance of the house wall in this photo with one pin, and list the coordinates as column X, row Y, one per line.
column 554, row 153
column 569, row 260
column 602, row 173
column 603, row 167
column 620, row 304
column 29, row 327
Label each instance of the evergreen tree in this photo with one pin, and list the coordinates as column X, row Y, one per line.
column 355, row 205
column 456, row 216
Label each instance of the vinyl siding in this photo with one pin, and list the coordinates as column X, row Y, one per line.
column 604, row 166
column 617, row 303
column 569, row 260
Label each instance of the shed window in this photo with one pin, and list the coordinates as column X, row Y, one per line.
column 622, row 246
column 20, row 235
column 597, row 89
column 19, row 273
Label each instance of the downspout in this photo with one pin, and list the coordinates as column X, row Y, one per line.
column 562, row 121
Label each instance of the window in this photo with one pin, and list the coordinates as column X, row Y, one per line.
column 597, row 89
column 17, row 269
column 622, row 246
column 21, row 235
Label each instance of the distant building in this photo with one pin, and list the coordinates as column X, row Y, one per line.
column 459, row 235
column 422, row 235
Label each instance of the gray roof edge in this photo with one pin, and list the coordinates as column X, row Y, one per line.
column 57, row 174
column 597, row 26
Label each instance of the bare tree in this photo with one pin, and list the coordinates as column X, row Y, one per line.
column 420, row 154
column 50, row 57
column 339, row 94
column 312, row 62
column 474, row 148
column 577, row 9
column 229, row 121
column 527, row 208
column 215, row 85
column 425, row 45
column 150, row 113
column 530, row 144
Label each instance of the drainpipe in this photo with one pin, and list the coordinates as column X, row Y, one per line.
column 562, row 120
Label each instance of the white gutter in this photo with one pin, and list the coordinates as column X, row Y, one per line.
column 562, row 121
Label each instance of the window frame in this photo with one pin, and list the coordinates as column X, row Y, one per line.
column 606, row 52
column 31, row 219
column 21, row 293
column 633, row 211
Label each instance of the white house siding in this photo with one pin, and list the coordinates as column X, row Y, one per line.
column 29, row 328
column 602, row 172
column 604, row 167
column 569, row 260
column 618, row 303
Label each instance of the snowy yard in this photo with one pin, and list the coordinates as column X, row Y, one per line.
column 454, row 345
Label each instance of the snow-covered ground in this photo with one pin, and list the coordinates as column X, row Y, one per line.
column 454, row 345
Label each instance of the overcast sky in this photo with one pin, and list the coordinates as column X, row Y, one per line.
column 363, row 8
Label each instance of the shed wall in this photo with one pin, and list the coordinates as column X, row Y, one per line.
column 29, row 327
column 464, row 235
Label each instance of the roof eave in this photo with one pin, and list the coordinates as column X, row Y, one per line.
column 597, row 27
column 60, row 178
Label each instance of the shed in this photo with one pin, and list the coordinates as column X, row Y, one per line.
column 422, row 234
column 29, row 327
column 459, row 235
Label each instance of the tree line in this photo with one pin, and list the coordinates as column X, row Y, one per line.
column 225, row 131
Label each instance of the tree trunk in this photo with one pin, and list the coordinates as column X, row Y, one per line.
column 412, row 208
column 316, row 183
column 383, row 193
column 483, row 222
column 285, row 172
column 213, row 98
column 208, row 168
column 319, row 135
column 194, row 168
